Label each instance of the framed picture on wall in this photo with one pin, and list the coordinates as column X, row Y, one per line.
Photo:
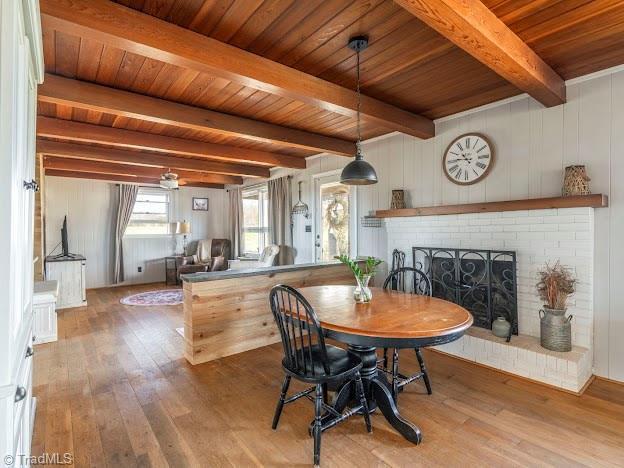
column 200, row 204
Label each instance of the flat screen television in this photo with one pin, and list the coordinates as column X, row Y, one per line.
column 64, row 242
column 64, row 255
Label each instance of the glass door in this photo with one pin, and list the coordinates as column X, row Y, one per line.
column 335, row 218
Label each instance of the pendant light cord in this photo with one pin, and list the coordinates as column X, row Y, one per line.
column 358, row 152
column 358, row 171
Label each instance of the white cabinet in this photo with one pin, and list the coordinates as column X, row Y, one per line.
column 70, row 274
column 21, row 69
column 23, row 410
column 44, row 311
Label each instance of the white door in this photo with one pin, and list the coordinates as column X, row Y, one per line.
column 336, row 219
column 21, row 68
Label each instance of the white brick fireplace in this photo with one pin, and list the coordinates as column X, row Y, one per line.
column 537, row 236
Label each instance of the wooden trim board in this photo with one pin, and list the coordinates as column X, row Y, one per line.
column 98, row 167
column 590, row 201
column 606, row 379
column 116, row 178
column 80, row 132
column 94, row 153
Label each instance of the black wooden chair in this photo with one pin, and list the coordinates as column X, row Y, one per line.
column 307, row 358
column 412, row 281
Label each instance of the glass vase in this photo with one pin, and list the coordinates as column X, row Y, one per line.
column 362, row 292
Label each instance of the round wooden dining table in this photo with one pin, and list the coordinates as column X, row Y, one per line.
column 391, row 320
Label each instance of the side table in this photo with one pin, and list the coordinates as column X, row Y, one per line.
column 172, row 263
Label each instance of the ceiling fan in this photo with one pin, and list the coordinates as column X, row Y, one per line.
column 169, row 180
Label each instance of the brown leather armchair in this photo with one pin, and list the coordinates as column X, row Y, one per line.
column 212, row 255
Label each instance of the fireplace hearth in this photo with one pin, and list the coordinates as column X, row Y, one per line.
column 482, row 281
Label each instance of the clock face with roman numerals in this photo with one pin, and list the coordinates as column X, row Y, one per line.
column 468, row 159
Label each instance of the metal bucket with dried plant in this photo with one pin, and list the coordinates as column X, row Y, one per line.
column 556, row 284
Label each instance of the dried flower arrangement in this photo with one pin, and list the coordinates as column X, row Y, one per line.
column 556, row 283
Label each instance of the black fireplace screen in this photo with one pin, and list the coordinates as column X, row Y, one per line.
column 482, row 281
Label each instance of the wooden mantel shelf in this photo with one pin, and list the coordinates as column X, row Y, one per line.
column 591, row 201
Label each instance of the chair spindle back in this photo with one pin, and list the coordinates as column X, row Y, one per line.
column 299, row 329
column 409, row 280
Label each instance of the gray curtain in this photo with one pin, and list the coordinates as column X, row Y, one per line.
column 280, row 206
column 127, row 197
column 236, row 221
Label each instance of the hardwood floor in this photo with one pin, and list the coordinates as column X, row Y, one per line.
column 116, row 391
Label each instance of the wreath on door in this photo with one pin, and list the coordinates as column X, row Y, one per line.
column 336, row 213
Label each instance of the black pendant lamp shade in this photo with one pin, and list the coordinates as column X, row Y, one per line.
column 358, row 171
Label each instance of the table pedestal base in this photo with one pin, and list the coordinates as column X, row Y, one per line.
column 378, row 393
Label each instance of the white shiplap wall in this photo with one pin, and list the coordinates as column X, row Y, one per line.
column 90, row 216
column 533, row 145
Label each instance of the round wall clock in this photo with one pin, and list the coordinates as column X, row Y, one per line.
column 468, row 159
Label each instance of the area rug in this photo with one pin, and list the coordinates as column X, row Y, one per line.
column 155, row 298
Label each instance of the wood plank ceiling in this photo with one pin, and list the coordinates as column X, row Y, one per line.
column 408, row 65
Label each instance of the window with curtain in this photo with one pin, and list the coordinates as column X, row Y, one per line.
column 150, row 216
column 255, row 220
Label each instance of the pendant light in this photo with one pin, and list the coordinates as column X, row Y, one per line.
column 358, row 171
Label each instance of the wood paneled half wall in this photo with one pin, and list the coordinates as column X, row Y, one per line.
column 228, row 312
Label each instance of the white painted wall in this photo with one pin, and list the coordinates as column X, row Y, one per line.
column 533, row 145
column 88, row 205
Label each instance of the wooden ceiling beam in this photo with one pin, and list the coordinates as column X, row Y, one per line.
column 136, row 32
column 65, row 91
column 89, row 133
column 73, row 150
column 474, row 28
column 81, row 165
column 122, row 178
